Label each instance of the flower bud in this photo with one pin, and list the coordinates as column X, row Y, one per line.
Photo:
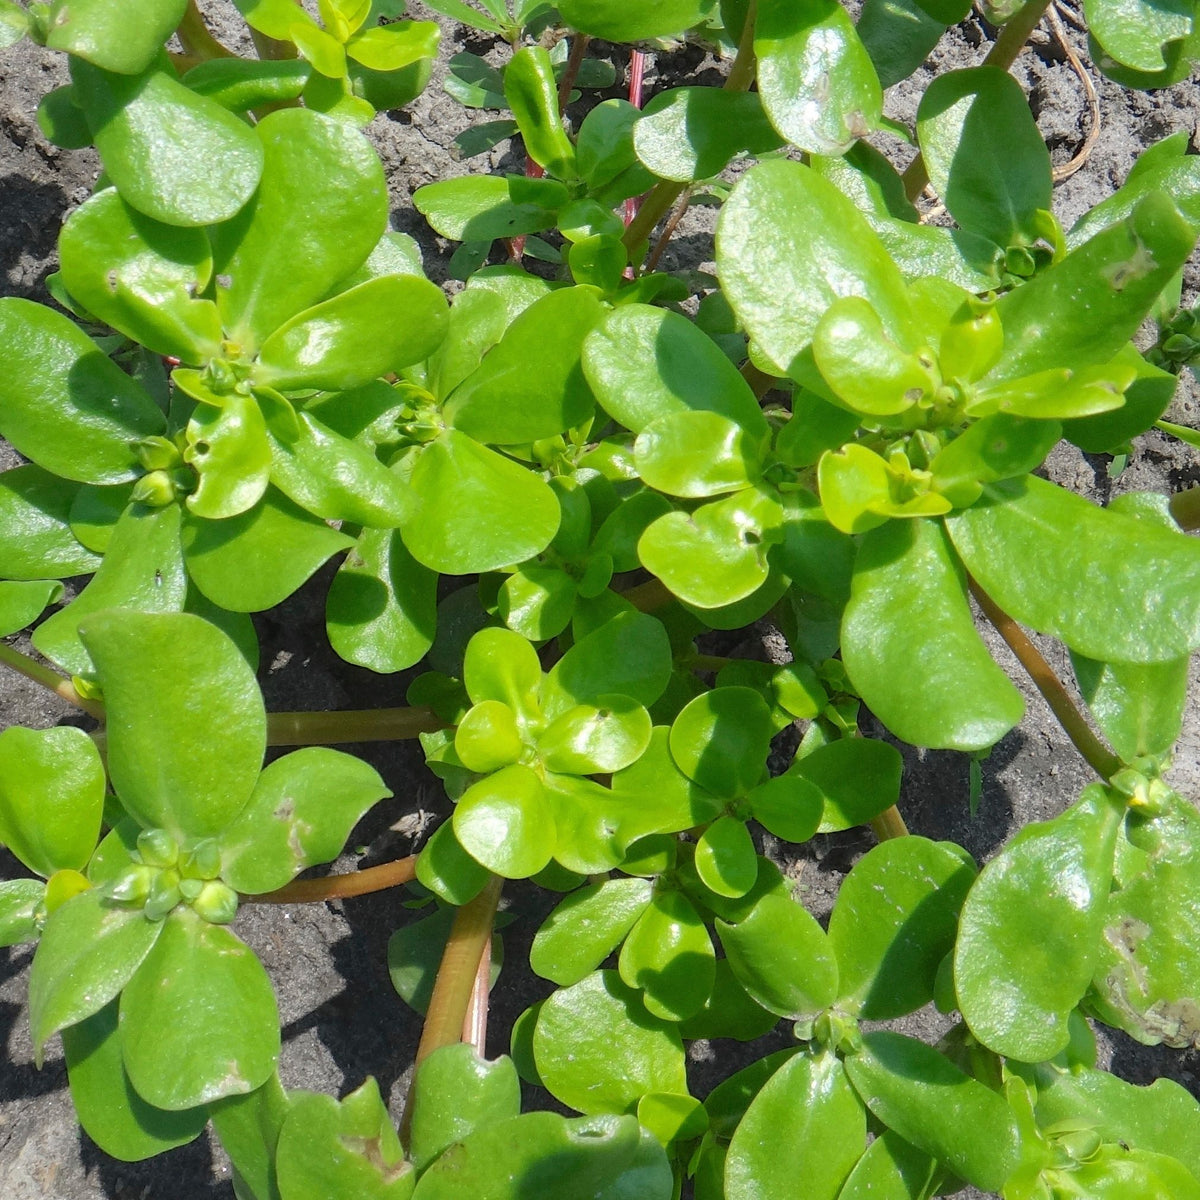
column 164, row 895
column 202, row 861
column 217, row 903
column 155, row 490
column 133, row 885
column 157, row 848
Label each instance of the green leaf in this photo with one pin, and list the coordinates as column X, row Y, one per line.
column 240, row 84
column 692, row 133
column 21, row 603
column 1015, row 992
column 818, row 86
column 382, row 606
column 858, row 777
column 532, row 94
column 998, row 447
column 594, row 739
column 256, row 560
column 530, row 385
column 118, row 35
column 891, row 1169
column 447, row 870
column 15, row 23
column 985, row 156
column 787, row 806
column 894, row 921
column 907, row 631
column 248, row 1127
column 334, row 477
column 1122, row 270
column 142, row 570
column 789, row 244
column 644, row 363
column 716, row 555
column 64, row 404
column 596, row 1158
column 805, row 1123
column 327, row 1147
column 537, row 602
column 20, row 900
column 501, row 665
column 415, row 952
column 898, row 36
column 457, row 1092
column 480, row 208
column 141, row 277
column 167, row 681
column 627, row 656
column 619, row 22
column 394, row 47
column 1136, row 33
column 370, row 330
column 586, row 927
column 36, row 540
column 88, row 951
column 300, row 813
column 1111, row 587
column 694, row 454
column 505, row 822
column 721, row 740
column 275, row 18
column 728, row 1012
column 488, row 737
column 319, row 211
column 473, row 510
column 781, row 956
column 725, row 858
column 112, row 1114
column 202, row 1003
column 668, row 955
column 929, row 1102
column 599, row 1051
column 229, row 450
column 1138, row 706
column 51, row 797
column 175, row 156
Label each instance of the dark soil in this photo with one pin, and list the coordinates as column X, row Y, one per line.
column 341, row 1019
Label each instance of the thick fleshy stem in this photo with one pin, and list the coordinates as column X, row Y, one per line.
column 52, row 680
column 889, row 824
column 637, row 73
column 339, row 887
column 1011, row 41
column 475, row 1023
column 658, row 201
column 350, row 725
column 196, row 39
column 1102, row 760
column 571, row 71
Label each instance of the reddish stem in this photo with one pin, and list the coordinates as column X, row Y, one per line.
column 338, row 887
column 637, row 72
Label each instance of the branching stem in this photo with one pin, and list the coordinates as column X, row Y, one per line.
column 339, row 887
column 1098, row 756
column 52, row 680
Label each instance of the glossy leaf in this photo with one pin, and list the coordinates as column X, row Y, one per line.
column 617, row 22
column 891, row 1169
column 202, row 1002
column 300, row 813
column 175, row 156
column 985, row 156
column 21, row 603
column 728, row 1012
column 63, row 404
column 112, row 1114
column 318, row 212
column 530, row 385
column 488, row 737
column 1136, row 33
column 501, row 665
column 788, row 806
column 447, row 870
column 89, row 949
column 644, row 363
column 805, row 1123
column 248, row 1126
column 997, row 447
column 473, row 510
column 326, row 1146
column 1016, row 992
column 118, row 35
column 1110, row 586
column 692, row 133
column 894, row 921
column 415, row 951
column 782, row 957
column 20, row 900
column 480, row 208
column 586, row 927
column 599, row 1051
column 669, row 956
column 537, row 602
column 256, row 560
column 382, row 605
column 818, row 86
column 142, row 569
column 36, row 540
column 908, row 635
column 696, row 454
column 532, row 94
column 371, row 330
column 929, row 1102
column 166, row 679
column 141, row 277
column 230, row 453
column 721, row 740
column 1138, row 706
column 593, row 739
column 725, row 857
column 858, row 777
column 240, row 84
column 788, row 245
column 51, row 797
column 505, row 823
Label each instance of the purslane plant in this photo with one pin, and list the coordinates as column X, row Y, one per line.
column 843, row 439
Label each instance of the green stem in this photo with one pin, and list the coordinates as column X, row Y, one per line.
column 664, row 193
column 1011, row 41
column 52, row 680
column 889, row 824
column 1098, row 756
column 338, row 887
column 350, row 725
column 649, row 596
column 194, row 36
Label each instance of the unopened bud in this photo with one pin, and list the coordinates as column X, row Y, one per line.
column 157, row 848
column 202, row 861
column 217, row 903
column 155, row 490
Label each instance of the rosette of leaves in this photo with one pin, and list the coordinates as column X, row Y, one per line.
column 232, row 487
column 162, row 1009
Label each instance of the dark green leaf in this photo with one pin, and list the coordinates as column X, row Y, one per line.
column 22, row 602
column 480, row 208
column 858, row 777
column 720, row 740
column 669, row 955
column 36, row 541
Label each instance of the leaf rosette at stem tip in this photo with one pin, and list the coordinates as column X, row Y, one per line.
column 200, row 827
